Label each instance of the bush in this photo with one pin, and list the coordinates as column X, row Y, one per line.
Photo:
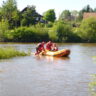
column 87, row 30
column 62, row 32
column 27, row 34
column 41, row 33
column 50, row 24
column 3, row 28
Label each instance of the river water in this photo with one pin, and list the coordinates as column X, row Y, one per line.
column 48, row 76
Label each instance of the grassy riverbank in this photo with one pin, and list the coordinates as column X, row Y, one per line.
column 9, row 52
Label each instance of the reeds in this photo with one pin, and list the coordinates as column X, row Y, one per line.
column 9, row 52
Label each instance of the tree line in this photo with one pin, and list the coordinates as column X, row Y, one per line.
column 29, row 26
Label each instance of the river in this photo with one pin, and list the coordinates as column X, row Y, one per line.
column 48, row 76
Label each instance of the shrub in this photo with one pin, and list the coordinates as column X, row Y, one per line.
column 3, row 28
column 61, row 32
column 87, row 30
column 27, row 34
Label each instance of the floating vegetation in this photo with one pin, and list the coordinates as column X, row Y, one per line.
column 9, row 52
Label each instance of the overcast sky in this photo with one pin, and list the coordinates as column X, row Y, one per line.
column 58, row 5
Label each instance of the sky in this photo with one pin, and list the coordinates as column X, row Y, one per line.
column 57, row 5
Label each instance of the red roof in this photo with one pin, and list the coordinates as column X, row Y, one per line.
column 89, row 14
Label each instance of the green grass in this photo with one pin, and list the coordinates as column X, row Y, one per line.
column 9, row 52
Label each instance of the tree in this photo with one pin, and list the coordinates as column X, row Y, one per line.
column 49, row 15
column 85, row 9
column 29, row 16
column 87, row 30
column 65, row 15
column 9, row 12
column 3, row 28
column 0, row 14
column 74, row 15
column 94, row 9
column 61, row 32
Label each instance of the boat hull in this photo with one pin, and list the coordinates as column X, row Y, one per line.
column 60, row 53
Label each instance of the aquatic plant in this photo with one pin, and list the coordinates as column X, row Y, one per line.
column 9, row 52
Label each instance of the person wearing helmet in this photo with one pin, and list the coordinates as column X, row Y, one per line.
column 40, row 48
column 49, row 45
column 54, row 47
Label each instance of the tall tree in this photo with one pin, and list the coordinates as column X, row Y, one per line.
column 49, row 15
column 85, row 9
column 29, row 16
column 94, row 9
column 65, row 15
column 9, row 12
column 0, row 14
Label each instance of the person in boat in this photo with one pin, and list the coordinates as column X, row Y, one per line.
column 49, row 46
column 54, row 47
column 40, row 48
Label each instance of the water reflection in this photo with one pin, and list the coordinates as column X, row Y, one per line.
column 51, row 58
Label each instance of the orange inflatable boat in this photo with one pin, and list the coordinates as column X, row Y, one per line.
column 60, row 53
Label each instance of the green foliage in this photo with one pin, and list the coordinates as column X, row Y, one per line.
column 80, row 17
column 94, row 9
column 15, row 19
column 3, row 28
column 24, row 22
column 27, row 34
column 49, row 15
column 8, row 36
column 65, row 15
column 0, row 13
column 62, row 32
column 87, row 30
column 9, row 12
column 53, row 35
column 24, row 26
column 49, row 25
column 29, row 16
column 9, row 52
column 74, row 15
column 41, row 33
column 85, row 9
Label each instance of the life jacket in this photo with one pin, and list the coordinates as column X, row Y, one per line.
column 40, row 46
column 54, row 47
column 48, row 46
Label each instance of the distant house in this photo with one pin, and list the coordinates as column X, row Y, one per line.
column 89, row 14
column 38, row 17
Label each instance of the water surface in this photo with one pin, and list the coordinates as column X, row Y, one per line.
column 48, row 76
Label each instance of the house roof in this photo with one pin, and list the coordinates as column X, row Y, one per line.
column 35, row 13
column 89, row 14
